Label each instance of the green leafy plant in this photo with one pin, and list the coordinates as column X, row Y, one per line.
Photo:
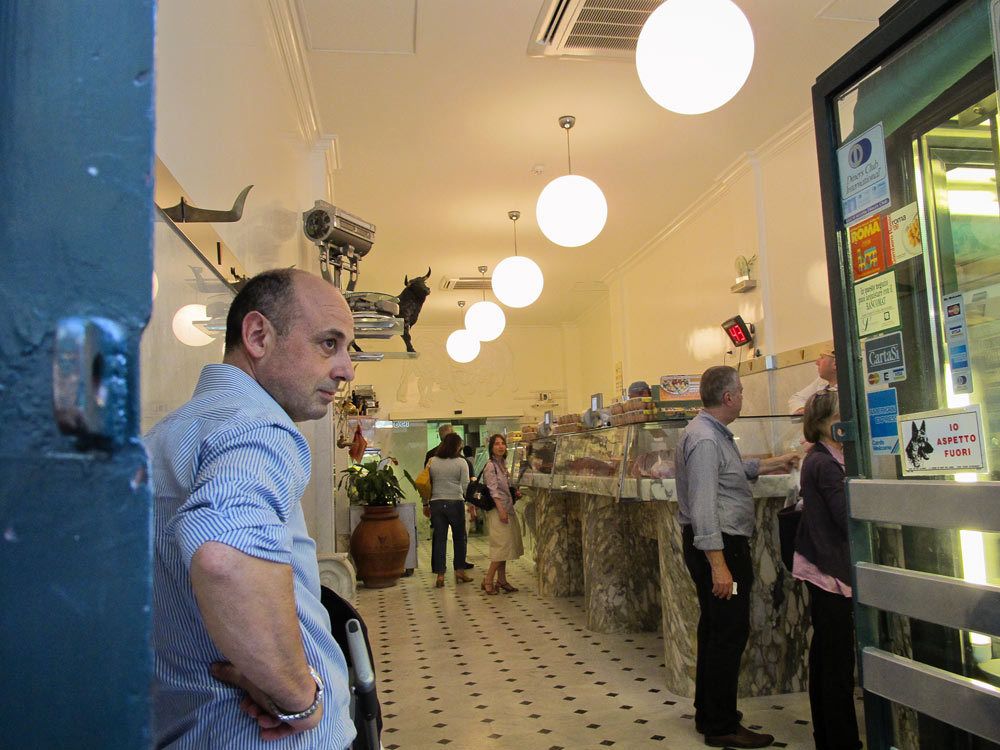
column 372, row 483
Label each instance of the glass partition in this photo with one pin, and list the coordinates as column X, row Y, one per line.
column 590, row 462
column 186, row 330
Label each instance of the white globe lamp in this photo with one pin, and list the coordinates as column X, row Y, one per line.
column 462, row 346
column 693, row 56
column 485, row 320
column 184, row 327
column 517, row 281
column 571, row 210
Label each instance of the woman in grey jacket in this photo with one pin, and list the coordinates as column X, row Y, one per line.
column 449, row 478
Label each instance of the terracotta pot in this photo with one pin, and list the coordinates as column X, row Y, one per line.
column 379, row 545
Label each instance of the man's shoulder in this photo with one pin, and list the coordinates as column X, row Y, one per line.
column 701, row 428
column 216, row 417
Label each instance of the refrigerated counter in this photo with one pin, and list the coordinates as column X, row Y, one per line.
column 605, row 527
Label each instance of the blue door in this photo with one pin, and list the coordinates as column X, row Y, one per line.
column 76, row 150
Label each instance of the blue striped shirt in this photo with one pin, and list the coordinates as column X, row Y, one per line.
column 230, row 466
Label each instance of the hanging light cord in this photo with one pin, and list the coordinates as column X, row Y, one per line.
column 515, row 237
column 569, row 159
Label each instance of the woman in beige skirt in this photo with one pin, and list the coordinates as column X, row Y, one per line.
column 501, row 523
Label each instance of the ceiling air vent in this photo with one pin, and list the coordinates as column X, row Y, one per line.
column 590, row 28
column 467, row 282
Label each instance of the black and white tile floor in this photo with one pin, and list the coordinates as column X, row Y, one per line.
column 460, row 669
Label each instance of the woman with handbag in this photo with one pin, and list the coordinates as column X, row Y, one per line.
column 501, row 523
column 823, row 560
column 446, row 507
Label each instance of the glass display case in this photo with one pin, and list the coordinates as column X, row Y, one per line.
column 649, row 461
column 532, row 462
column 590, row 462
column 636, row 462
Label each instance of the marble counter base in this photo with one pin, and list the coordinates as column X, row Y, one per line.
column 558, row 548
column 628, row 562
column 621, row 588
column 775, row 659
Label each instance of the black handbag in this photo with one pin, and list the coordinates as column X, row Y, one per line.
column 788, row 527
column 478, row 494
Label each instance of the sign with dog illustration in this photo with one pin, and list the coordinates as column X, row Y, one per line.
column 948, row 441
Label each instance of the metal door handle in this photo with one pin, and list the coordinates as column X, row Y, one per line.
column 89, row 379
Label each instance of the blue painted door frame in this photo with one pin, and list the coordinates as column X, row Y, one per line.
column 76, row 155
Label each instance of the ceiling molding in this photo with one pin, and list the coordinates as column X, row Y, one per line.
column 798, row 128
column 787, row 136
column 289, row 42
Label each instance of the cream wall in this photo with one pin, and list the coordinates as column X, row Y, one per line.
column 504, row 380
column 667, row 301
column 796, row 249
column 589, row 365
column 226, row 118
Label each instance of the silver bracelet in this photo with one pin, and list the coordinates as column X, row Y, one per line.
column 272, row 707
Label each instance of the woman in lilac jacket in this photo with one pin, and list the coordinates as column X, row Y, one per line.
column 501, row 523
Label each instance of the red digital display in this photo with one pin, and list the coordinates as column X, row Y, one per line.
column 738, row 331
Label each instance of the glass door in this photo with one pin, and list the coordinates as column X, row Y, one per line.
column 910, row 194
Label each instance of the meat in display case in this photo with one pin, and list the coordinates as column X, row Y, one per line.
column 636, row 462
column 590, row 462
column 532, row 463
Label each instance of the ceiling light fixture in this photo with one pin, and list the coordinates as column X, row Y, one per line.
column 571, row 210
column 485, row 320
column 461, row 345
column 693, row 56
column 184, row 328
column 517, row 281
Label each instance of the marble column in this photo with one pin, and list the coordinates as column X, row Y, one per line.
column 558, row 550
column 619, row 566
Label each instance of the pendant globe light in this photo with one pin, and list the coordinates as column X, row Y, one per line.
column 183, row 325
column 461, row 345
column 693, row 56
column 571, row 210
column 517, row 281
column 485, row 320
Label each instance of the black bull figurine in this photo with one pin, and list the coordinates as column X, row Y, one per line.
column 411, row 300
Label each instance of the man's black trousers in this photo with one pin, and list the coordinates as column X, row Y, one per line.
column 722, row 633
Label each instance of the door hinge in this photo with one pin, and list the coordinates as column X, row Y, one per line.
column 845, row 432
column 90, row 380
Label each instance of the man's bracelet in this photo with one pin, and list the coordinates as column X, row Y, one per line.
column 272, row 707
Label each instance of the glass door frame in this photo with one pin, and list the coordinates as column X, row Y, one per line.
column 871, row 502
column 897, row 28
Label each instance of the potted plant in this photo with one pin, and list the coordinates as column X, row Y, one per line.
column 380, row 542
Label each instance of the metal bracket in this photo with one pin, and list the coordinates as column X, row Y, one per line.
column 89, row 380
column 184, row 212
column 845, row 432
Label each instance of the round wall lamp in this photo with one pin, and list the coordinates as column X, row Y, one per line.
column 571, row 210
column 185, row 329
column 693, row 56
column 461, row 345
column 517, row 281
column 485, row 320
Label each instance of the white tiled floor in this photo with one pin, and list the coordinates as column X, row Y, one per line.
column 459, row 668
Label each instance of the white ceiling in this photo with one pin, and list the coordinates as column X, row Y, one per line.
column 440, row 117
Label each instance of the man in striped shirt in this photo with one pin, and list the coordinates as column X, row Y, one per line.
column 243, row 650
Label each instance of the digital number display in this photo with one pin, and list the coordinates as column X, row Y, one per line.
column 738, row 331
